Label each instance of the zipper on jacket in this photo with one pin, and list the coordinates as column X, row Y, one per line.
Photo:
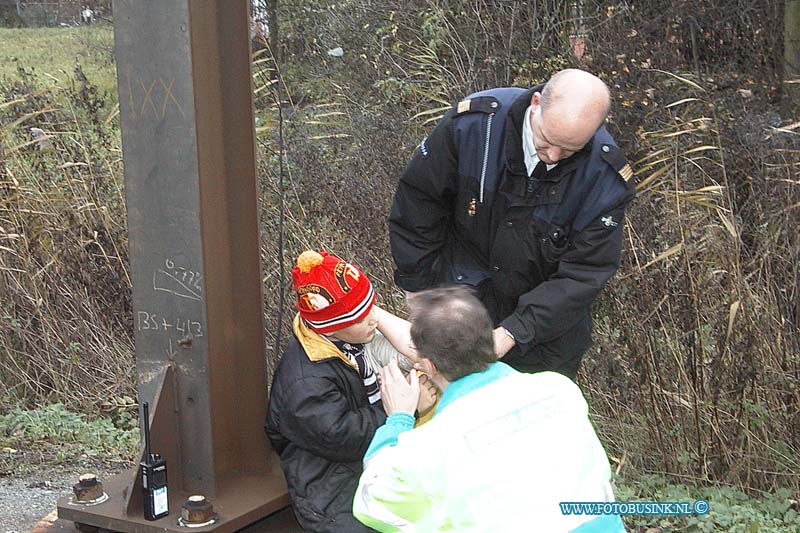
column 486, row 153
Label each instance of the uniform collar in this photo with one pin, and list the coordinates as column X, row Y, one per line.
column 528, row 148
column 515, row 156
column 463, row 386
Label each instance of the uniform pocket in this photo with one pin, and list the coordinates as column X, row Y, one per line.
column 554, row 243
column 546, row 245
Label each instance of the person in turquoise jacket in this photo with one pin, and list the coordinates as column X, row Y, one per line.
column 502, row 450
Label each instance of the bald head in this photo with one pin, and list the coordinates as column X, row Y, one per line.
column 568, row 112
column 576, row 96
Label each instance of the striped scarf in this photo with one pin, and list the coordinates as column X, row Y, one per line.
column 355, row 352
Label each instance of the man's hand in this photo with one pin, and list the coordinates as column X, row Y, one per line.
column 427, row 393
column 503, row 342
column 400, row 394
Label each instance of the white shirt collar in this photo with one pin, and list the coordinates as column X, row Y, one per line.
column 531, row 159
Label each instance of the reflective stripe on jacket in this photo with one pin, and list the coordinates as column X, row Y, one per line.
column 500, row 454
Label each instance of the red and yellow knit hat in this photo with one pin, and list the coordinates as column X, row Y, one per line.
column 331, row 293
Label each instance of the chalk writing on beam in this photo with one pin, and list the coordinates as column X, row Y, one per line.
column 184, row 327
column 148, row 94
column 182, row 273
column 170, row 352
column 146, row 99
column 168, row 95
column 176, row 284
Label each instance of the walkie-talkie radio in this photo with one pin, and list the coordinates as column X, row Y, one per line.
column 154, row 475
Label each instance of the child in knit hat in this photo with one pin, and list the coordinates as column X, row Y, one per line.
column 325, row 404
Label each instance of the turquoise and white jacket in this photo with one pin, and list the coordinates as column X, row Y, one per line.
column 501, row 452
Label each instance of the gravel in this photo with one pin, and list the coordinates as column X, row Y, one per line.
column 23, row 502
column 26, row 498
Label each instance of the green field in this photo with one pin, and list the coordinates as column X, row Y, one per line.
column 51, row 54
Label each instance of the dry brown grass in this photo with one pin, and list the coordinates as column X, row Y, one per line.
column 698, row 354
column 65, row 304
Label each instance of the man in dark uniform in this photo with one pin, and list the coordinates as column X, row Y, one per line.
column 520, row 194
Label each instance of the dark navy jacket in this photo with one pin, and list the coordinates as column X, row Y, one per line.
column 537, row 249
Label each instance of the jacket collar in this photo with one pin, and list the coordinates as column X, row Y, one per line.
column 317, row 347
column 516, row 115
column 464, row 385
column 515, row 156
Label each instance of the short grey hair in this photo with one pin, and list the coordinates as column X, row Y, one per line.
column 452, row 328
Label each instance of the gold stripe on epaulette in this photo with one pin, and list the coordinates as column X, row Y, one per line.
column 463, row 106
column 626, row 172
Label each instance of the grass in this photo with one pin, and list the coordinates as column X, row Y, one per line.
column 730, row 509
column 55, row 425
column 52, row 53
column 52, row 437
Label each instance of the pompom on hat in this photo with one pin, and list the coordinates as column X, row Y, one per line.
column 331, row 293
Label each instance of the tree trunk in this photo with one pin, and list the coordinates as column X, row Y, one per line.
column 274, row 34
column 791, row 51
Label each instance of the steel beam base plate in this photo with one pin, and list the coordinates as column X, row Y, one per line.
column 241, row 501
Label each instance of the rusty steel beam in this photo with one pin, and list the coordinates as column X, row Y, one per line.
column 186, row 108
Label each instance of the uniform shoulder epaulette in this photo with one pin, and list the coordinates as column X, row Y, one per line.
column 481, row 104
column 614, row 157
